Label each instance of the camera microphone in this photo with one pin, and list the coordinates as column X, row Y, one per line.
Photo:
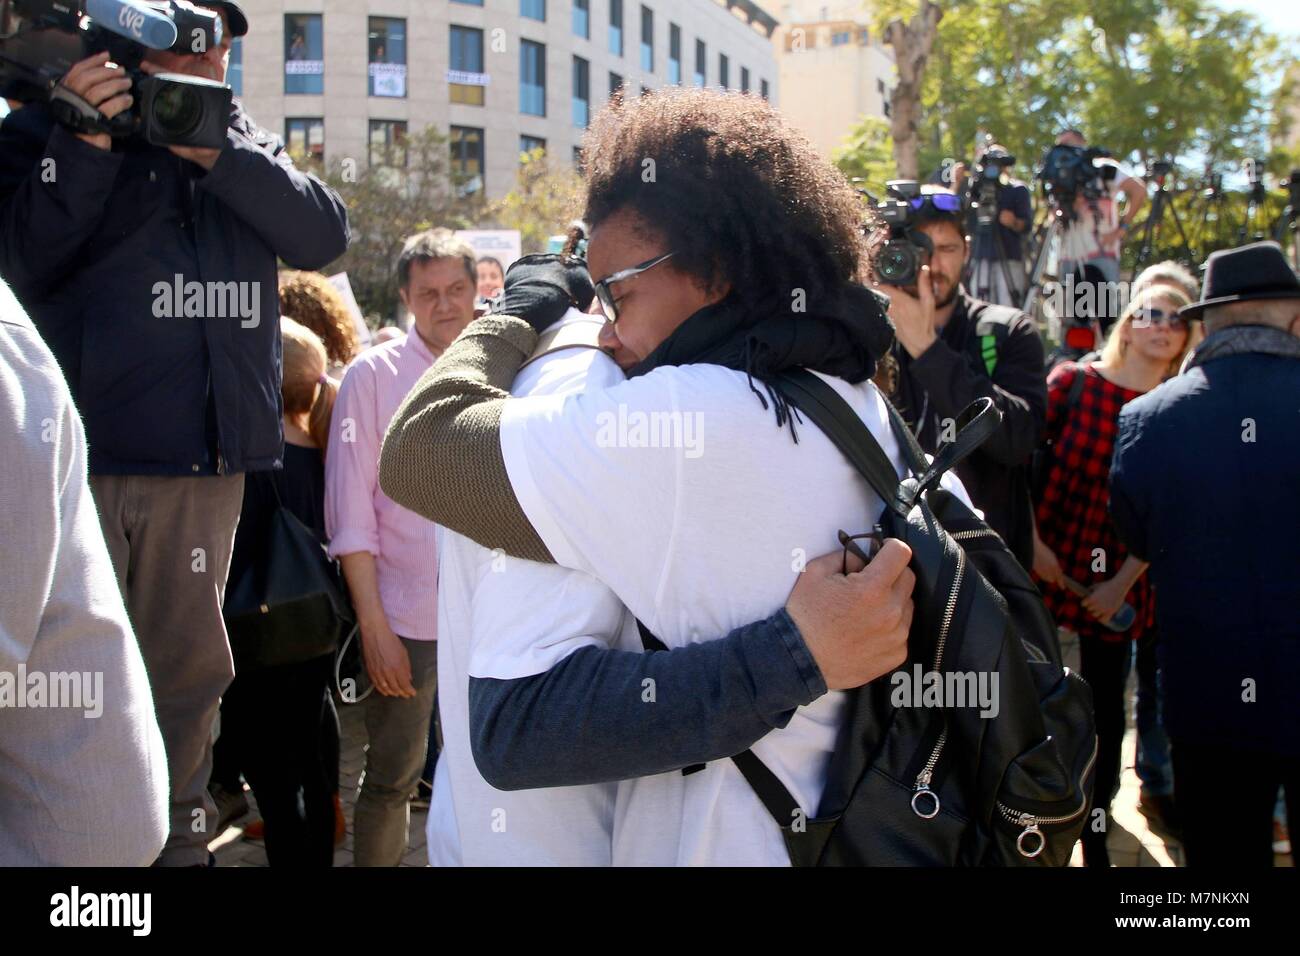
column 135, row 21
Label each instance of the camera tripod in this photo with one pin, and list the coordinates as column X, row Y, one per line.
column 1152, row 228
column 1287, row 232
column 1256, row 197
column 988, row 260
column 1216, row 221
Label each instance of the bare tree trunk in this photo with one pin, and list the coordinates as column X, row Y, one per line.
column 911, row 42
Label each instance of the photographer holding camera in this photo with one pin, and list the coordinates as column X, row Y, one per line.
column 151, row 272
column 1096, row 231
column 997, row 262
column 952, row 349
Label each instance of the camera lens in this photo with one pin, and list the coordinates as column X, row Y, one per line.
column 177, row 110
column 897, row 263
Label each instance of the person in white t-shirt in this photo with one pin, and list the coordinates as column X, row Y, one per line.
column 692, row 490
column 1096, row 234
column 504, row 619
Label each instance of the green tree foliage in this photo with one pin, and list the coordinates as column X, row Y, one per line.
column 545, row 199
column 867, row 155
column 395, row 196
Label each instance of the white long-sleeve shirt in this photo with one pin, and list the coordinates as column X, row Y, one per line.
column 83, row 772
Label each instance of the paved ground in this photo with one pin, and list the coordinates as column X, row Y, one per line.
column 1131, row 841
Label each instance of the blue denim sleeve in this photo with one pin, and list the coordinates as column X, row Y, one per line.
column 602, row 715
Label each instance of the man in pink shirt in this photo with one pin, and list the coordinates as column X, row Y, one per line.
column 387, row 552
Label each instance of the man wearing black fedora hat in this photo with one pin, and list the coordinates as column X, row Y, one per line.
column 1205, row 485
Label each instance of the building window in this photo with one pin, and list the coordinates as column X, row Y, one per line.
column 744, row 79
column 701, row 61
column 467, row 158
column 581, row 92
column 528, row 144
column 647, row 40
column 616, row 27
column 304, row 53
column 532, row 78
column 577, row 158
column 762, row 88
column 864, row 36
column 674, row 53
column 533, row 9
column 466, row 77
column 387, row 39
column 724, row 71
column 841, row 38
column 235, row 69
column 880, row 87
column 582, row 19
column 305, row 137
column 615, row 84
column 472, row 3
column 388, row 143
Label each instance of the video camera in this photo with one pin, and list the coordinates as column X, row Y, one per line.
column 40, row 40
column 908, row 248
column 1069, row 172
column 984, row 184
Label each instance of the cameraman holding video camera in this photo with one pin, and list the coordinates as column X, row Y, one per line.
column 1096, row 232
column 151, row 272
column 996, row 272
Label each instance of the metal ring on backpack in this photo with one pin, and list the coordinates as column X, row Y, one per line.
column 1042, row 842
column 926, row 793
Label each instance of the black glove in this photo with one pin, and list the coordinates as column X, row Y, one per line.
column 540, row 289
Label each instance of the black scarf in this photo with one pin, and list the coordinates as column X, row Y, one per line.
column 843, row 334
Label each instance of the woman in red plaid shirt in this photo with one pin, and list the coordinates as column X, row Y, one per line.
column 1074, row 537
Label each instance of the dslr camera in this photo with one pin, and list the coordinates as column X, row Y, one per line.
column 907, row 249
column 40, row 40
column 1069, row 172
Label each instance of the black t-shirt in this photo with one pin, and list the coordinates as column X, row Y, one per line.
column 301, row 487
column 1013, row 196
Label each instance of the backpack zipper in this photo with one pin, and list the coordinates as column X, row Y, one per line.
column 1031, row 823
column 977, row 533
column 922, row 786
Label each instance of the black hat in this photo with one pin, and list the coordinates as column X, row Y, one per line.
column 1256, row 271
column 234, row 14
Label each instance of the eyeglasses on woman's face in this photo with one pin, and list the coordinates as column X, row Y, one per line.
column 605, row 296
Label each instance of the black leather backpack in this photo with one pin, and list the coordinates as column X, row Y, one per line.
column 943, row 785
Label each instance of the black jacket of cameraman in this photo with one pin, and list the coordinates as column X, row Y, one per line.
column 952, row 373
column 94, row 243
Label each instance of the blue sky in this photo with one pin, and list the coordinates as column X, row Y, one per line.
column 1280, row 16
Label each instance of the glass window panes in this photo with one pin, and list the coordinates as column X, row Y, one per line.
column 532, row 78
column 647, row 40
column 582, row 19
column 616, row 27
column 581, row 92
column 724, row 71
column 744, row 79
column 235, row 69
column 467, row 158
column 466, row 77
column 388, row 143
column 762, row 90
column 529, row 143
column 387, row 40
column 304, row 53
column 615, row 84
column 674, row 53
column 305, row 137
column 701, row 62
column 533, row 9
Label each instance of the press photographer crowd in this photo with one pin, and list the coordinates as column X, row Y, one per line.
column 764, row 524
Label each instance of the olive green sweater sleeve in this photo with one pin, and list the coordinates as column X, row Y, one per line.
column 441, row 457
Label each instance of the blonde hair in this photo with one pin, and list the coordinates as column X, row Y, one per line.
column 1112, row 353
column 304, row 385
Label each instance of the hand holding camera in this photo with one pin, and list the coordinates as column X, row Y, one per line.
column 105, row 86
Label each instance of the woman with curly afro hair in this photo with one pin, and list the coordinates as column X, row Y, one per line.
column 311, row 300
column 725, row 252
